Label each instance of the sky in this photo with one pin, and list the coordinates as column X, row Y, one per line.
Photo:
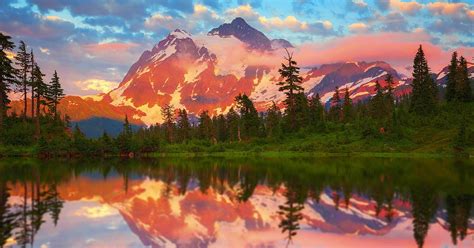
column 93, row 43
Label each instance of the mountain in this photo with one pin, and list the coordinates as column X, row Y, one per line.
column 241, row 30
column 281, row 43
column 94, row 127
column 206, row 72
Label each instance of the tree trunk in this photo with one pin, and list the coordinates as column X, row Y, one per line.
column 25, row 99
column 37, row 124
column 2, row 109
column 32, row 102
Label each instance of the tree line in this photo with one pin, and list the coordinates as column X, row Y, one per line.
column 22, row 74
column 385, row 113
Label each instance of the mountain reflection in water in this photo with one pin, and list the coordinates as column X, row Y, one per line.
column 216, row 202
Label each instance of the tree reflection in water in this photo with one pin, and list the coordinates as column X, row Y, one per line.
column 432, row 188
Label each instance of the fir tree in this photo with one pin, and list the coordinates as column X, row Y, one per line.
column 205, row 129
column 377, row 103
column 424, row 89
column 220, row 126
column 167, row 111
column 23, row 62
column 249, row 116
column 7, row 75
column 32, row 83
column 54, row 94
column 40, row 92
column 451, row 78
column 335, row 109
column 316, row 110
column 347, row 108
column 183, row 125
column 273, row 120
column 463, row 92
column 290, row 86
column 233, row 124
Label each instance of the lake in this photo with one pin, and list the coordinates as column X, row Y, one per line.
column 247, row 202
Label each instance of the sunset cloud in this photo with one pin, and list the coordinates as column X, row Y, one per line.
column 406, row 7
column 97, row 85
column 396, row 48
column 358, row 27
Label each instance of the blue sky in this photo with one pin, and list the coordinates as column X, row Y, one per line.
column 92, row 43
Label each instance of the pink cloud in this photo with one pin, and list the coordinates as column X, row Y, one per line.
column 396, row 48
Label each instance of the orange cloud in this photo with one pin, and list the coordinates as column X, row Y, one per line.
column 406, row 7
column 358, row 27
column 397, row 48
column 450, row 9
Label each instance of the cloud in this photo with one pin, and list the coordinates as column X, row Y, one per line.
column 358, row 27
column 45, row 51
column 406, row 7
column 245, row 11
column 445, row 8
column 396, row 48
column 96, row 212
column 96, row 85
column 273, row 23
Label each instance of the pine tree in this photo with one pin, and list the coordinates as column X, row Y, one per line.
column 54, row 94
column 273, row 120
column 220, row 126
column 301, row 111
column 347, row 108
column 335, row 110
column 249, row 116
column 23, row 62
column 233, row 124
column 205, row 129
column 167, row 111
column 184, row 127
column 291, row 215
column 316, row 110
column 290, row 86
column 424, row 89
column 7, row 75
column 41, row 90
column 463, row 92
column 451, row 78
column 32, row 83
column 377, row 103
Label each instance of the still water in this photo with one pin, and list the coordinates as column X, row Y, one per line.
column 217, row 202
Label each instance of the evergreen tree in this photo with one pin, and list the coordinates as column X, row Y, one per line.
column 233, row 124
column 424, row 89
column 184, row 127
column 124, row 139
column 335, row 110
column 301, row 111
column 249, row 116
column 220, row 126
column 291, row 212
column 40, row 92
column 7, row 75
column 205, row 129
column 32, row 83
column 347, row 108
column 463, row 90
column 451, row 78
column 377, row 103
column 54, row 94
column 316, row 110
column 167, row 111
column 23, row 62
column 290, row 86
column 273, row 120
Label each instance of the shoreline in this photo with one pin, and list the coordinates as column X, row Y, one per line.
column 263, row 154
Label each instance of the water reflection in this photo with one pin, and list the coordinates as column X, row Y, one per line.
column 237, row 203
